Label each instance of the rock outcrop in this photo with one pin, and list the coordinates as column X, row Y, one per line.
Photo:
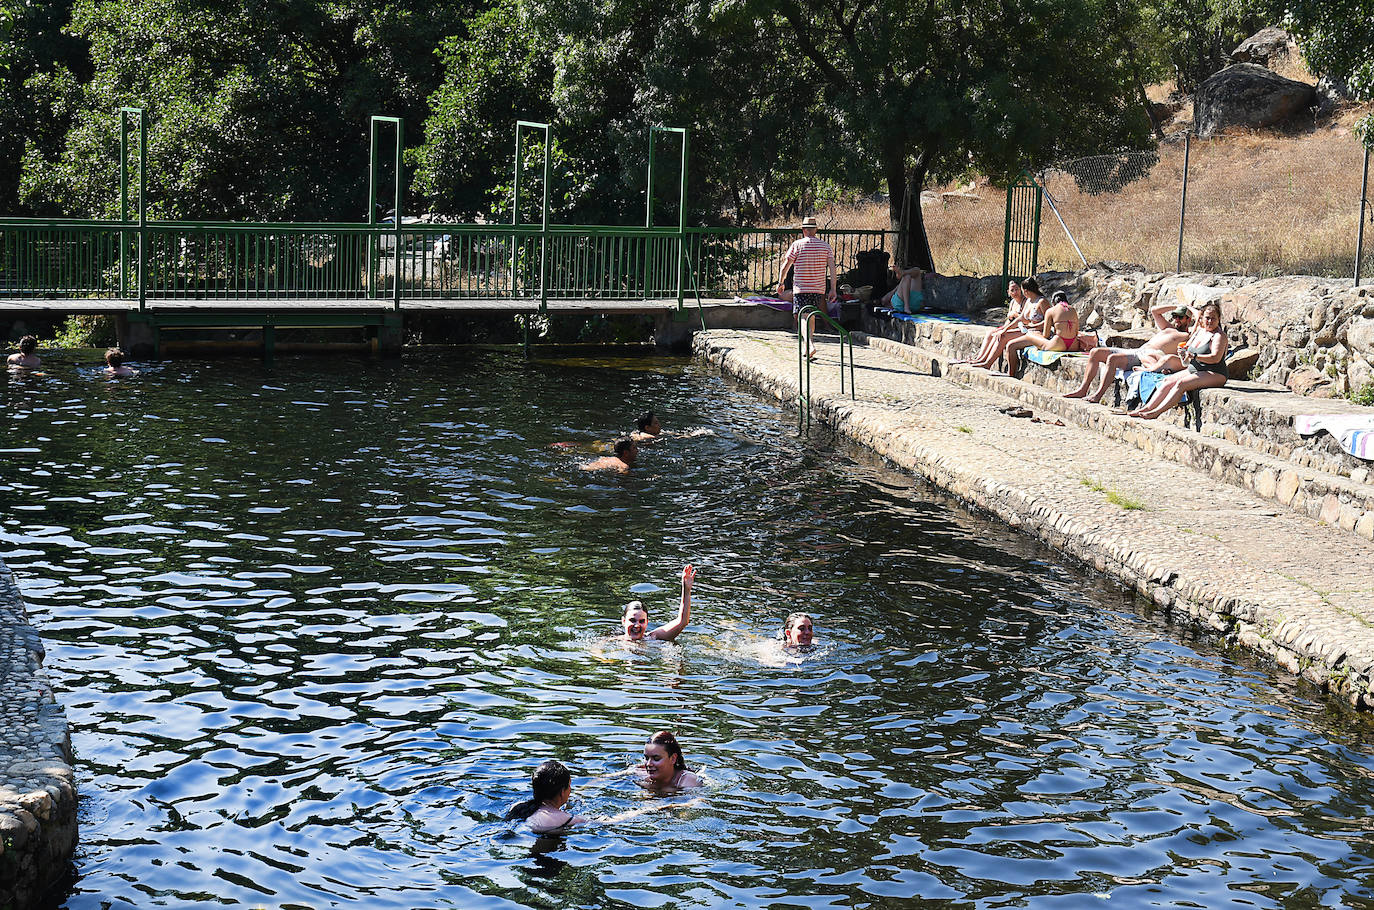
column 1247, row 95
column 1265, row 47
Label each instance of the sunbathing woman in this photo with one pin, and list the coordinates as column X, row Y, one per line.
column 664, row 765
column 1019, row 321
column 909, row 295
column 634, row 619
column 1060, row 332
column 1205, row 359
column 1159, row 354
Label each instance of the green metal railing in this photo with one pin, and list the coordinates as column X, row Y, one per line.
column 172, row 261
column 804, row 315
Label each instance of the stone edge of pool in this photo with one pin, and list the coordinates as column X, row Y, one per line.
column 37, row 784
column 1182, row 598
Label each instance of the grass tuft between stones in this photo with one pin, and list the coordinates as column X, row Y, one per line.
column 1129, row 503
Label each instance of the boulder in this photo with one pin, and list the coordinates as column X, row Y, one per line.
column 1240, row 364
column 1247, row 95
column 963, row 294
column 1264, row 48
column 1310, row 381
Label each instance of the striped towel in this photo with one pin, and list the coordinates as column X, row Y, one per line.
column 1355, row 432
column 1045, row 358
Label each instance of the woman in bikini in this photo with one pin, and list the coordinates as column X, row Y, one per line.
column 544, row 812
column 1025, row 312
column 1060, row 332
column 1204, row 359
column 664, row 765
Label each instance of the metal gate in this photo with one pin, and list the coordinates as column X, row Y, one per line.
column 1021, row 242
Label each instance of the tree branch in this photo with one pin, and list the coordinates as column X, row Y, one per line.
column 791, row 12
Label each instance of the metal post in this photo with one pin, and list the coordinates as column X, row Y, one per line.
column 515, row 208
column 400, row 181
column 1183, row 200
column 544, row 228
column 372, row 251
column 142, row 210
column 682, row 221
column 1359, row 234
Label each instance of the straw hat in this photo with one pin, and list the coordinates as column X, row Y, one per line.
column 808, row 222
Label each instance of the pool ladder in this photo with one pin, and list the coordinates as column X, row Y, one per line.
column 804, row 363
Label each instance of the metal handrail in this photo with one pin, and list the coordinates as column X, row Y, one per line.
column 804, row 362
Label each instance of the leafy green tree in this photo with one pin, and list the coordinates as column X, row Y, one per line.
column 910, row 91
column 1337, row 40
column 257, row 111
column 40, row 67
column 1189, row 40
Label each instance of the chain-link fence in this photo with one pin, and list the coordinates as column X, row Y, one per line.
column 1255, row 205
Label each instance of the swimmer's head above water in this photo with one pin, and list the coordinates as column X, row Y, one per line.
column 797, row 630
column 627, row 450
column 648, row 424
column 634, row 619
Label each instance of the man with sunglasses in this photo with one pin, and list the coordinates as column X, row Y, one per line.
column 1160, row 353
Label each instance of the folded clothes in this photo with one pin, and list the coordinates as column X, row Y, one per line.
column 1355, row 432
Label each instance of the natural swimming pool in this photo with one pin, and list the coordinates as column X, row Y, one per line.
column 314, row 626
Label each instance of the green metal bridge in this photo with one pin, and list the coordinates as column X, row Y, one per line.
column 170, row 274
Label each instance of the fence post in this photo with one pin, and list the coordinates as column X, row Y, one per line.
column 1183, row 200
column 1359, row 234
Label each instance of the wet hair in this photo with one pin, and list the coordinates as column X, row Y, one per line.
column 631, row 607
column 27, row 345
column 549, row 780
column 643, row 420
column 623, row 447
column 669, row 743
column 792, row 619
column 114, row 357
column 1059, row 297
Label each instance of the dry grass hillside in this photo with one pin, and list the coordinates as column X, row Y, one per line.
column 1259, row 203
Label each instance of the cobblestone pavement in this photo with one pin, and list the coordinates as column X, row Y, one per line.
column 37, row 787
column 1262, row 576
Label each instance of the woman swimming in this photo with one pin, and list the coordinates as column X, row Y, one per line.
column 797, row 631
column 634, row 619
column 664, row 765
column 552, row 786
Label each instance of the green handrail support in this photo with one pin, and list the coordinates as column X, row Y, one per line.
column 374, row 259
column 124, row 114
column 681, row 258
column 804, row 362
column 543, row 213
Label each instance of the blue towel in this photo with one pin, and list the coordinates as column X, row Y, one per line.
column 1142, row 384
column 922, row 317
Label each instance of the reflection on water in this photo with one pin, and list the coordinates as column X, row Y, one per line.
column 315, row 625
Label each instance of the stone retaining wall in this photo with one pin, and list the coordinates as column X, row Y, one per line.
column 37, row 786
column 1313, row 335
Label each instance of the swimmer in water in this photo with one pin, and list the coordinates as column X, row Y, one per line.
column 664, row 765
column 634, row 619
column 26, row 359
column 797, row 632
column 626, row 451
column 114, row 365
column 552, row 788
column 647, row 428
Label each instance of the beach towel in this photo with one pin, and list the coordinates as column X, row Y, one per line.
column 1046, row 358
column 921, row 317
column 1142, row 384
column 1355, row 432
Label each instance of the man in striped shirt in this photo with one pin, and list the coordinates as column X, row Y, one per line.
column 813, row 276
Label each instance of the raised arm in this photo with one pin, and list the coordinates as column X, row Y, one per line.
column 1157, row 313
column 684, row 613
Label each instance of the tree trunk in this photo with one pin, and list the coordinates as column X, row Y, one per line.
column 913, row 247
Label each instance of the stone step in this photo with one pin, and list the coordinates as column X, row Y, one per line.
column 1240, row 434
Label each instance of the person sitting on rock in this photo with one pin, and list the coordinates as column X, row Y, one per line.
column 909, row 295
column 1019, row 321
column 1060, row 332
column 1159, row 354
column 1204, row 357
